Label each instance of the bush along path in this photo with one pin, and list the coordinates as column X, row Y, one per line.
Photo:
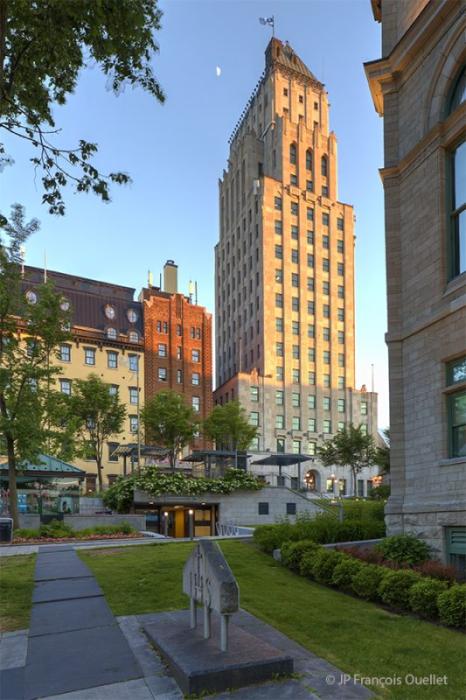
column 60, row 532
column 438, row 599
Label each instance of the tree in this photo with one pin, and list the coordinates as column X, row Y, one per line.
column 97, row 415
column 169, row 422
column 382, row 456
column 30, row 332
column 43, row 48
column 350, row 447
column 228, row 425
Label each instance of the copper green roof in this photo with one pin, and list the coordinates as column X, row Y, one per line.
column 46, row 463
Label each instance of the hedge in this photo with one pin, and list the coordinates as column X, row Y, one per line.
column 395, row 587
column 452, row 606
column 293, row 552
column 404, row 549
column 423, row 597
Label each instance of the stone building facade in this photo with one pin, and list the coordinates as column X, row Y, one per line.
column 178, row 346
column 284, row 266
column 418, row 86
column 107, row 340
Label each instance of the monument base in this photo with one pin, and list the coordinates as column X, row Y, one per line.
column 199, row 666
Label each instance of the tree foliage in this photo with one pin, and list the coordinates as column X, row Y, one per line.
column 228, row 425
column 97, row 415
column 350, row 447
column 169, row 422
column 30, row 334
column 43, row 48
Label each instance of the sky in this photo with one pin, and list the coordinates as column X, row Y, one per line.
column 176, row 152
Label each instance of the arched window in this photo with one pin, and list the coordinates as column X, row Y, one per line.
column 458, row 188
column 111, row 333
column 309, row 159
column 293, row 154
column 324, row 166
column 133, row 337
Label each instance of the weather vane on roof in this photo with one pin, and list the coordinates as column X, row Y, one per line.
column 270, row 21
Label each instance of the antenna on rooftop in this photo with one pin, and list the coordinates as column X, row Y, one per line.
column 372, row 377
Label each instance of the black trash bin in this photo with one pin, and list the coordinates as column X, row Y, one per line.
column 6, row 530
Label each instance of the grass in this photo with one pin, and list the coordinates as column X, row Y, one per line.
column 16, row 584
column 358, row 637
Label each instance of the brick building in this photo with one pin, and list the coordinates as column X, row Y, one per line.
column 419, row 87
column 178, row 345
column 285, row 335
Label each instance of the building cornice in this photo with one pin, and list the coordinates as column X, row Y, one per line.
column 383, row 74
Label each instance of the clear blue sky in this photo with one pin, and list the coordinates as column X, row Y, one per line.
column 175, row 152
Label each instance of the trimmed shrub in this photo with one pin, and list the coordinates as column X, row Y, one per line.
column 307, row 562
column 395, row 587
column 324, row 564
column 56, row 529
column 293, row 552
column 364, row 510
column 452, row 606
column 270, row 537
column 344, row 571
column 367, row 580
column 404, row 549
column 423, row 596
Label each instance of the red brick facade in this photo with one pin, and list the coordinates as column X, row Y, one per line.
column 175, row 330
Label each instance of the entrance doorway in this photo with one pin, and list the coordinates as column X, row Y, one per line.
column 174, row 520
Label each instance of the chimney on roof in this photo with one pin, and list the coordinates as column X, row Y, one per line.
column 170, row 277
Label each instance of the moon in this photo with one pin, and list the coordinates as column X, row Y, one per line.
column 218, row 71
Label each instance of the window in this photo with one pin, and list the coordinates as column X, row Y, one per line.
column 310, row 214
column 341, row 337
column 458, row 210
column 324, row 166
column 311, row 425
column 280, row 445
column 163, row 349
column 133, row 363
column 294, row 208
column 301, row 98
column 89, row 356
column 311, row 354
column 133, row 394
column 279, row 276
column 254, row 418
column 311, row 448
column 325, row 242
column 279, row 394
column 325, row 218
column 341, row 405
column 296, row 399
column 133, row 337
column 311, row 378
column 311, row 330
column 309, row 186
column 279, row 252
column 310, row 284
column 296, row 447
column 112, row 359
column 279, row 302
column 293, row 153
column 309, row 159
column 111, row 333
column 280, row 422
column 294, row 255
column 324, row 191
column 340, row 224
column 310, row 237
column 195, row 379
column 341, row 425
column 254, row 444
column 341, row 314
column 456, row 404
column 111, row 449
column 291, row 508
column 279, row 324
column 340, row 246
column 279, row 349
column 196, row 355
column 296, row 377
column 65, row 386
column 326, row 333
column 133, row 424
column 179, row 330
column 326, row 403
column 178, row 352
column 165, row 327
column 326, row 288
column 311, row 308
column 326, row 310
column 279, row 373
column 65, row 353
column 341, row 382
column 363, row 408
column 179, row 376
column 278, row 228
column 296, row 423
column 294, row 179
column 278, row 203
column 326, row 381
column 295, row 327
column 311, row 401
column 341, row 359
column 327, row 427
column 295, row 351
column 310, row 260
column 196, row 404
column 263, row 508
column 341, row 269
column 325, row 264
column 113, row 389
column 295, row 303
column 162, row 374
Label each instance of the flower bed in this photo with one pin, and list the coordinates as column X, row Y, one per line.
column 403, row 589
column 58, row 531
column 76, row 538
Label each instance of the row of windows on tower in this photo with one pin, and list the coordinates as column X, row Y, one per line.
column 162, row 351
column 295, row 306
column 163, row 376
column 310, row 260
column 311, row 333
column 311, row 377
column 311, row 401
column 89, row 357
column 309, row 159
column 163, row 327
column 310, row 238
column 66, row 386
column 294, row 210
column 296, row 421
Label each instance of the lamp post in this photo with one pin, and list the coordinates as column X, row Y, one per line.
column 191, row 523
column 165, row 523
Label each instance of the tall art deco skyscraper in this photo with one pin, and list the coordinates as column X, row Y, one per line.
column 285, row 267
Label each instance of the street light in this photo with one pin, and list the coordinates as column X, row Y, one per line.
column 165, row 523
column 191, row 524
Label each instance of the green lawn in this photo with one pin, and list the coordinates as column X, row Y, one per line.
column 16, row 584
column 356, row 636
